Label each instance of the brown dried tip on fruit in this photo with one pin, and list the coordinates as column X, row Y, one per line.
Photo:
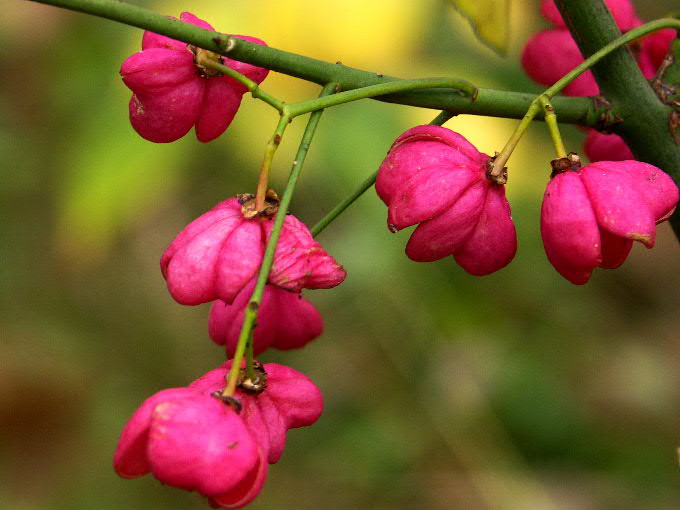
column 255, row 385
column 248, row 209
column 571, row 163
column 493, row 175
column 232, row 402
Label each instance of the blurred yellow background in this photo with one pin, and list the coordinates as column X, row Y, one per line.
column 512, row 391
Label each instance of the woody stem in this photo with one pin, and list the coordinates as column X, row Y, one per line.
column 490, row 102
column 272, row 145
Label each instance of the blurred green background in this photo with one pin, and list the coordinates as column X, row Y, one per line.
column 513, row 391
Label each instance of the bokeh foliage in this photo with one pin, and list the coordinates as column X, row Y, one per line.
column 514, row 391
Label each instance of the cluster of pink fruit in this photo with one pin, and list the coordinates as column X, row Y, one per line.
column 201, row 438
column 590, row 216
column 191, row 437
column 556, row 45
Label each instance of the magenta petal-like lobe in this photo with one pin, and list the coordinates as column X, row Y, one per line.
column 443, row 235
column 172, row 93
column 570, row 233
column 220, row 104
column 152, row 70
column 211, row 381
column 220, row 252
column 285, row 320
column 130, row 460
column 463, row 151
column 657, row 44
column 406, row 161
column 395, row 170
column 301, row 262
column 655, row 186
column 267, row 424
column 224, row 322
column 201, row 444
column 153, row 40
column 226, row 211
column 435, row 177
column 297, row 397
column 550, row 12
column 493, row 242
column 297, row 321
column 615, row 249
column 247, row 490
column 268, row 324
column 189, row 439
column 191, row 273
column 619, row 207
column 429, row 193
column 646, row 65
column 168, row 115
column 290, row 400
column 240, row 257
column 421, row 149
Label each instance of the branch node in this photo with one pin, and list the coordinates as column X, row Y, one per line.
column 230, row 44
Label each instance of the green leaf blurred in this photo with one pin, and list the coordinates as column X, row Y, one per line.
column 490, row 19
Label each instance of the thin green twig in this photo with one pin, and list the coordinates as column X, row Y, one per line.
column 252, row 86
column 553, row 127
column 535, row 107
column 250, row 314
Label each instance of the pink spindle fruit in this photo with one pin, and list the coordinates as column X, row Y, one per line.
column 190, row 440
column 602, row 147
column 218, row 253
column 173, row 93
column 285, row 320
column 436, row 178
column 290, row 400
column 591, row 215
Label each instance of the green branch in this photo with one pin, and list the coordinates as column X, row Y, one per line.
column 489, row 102
column 460, row 87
